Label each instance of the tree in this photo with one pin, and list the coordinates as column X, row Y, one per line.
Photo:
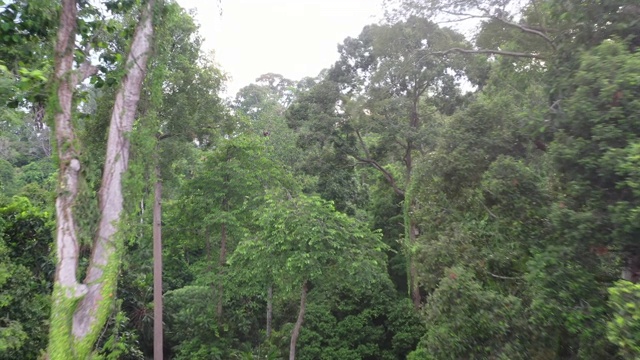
column 623, row 329
column 79, row 310
column 479, row 327
column 185, row 107
column 304, row 242
column 597, row 159
column 26, row 276
column 264, row 104
column 394, row 89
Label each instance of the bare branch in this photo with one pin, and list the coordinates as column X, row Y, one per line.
column 489, row 211
column 538, row 31
column 387, row 175
column 527, row 30
column 504, row 277
column 458, row 20
column 364, row 146
column 86, row 70
column 490, row 52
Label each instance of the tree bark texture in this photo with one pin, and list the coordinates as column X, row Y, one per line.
column 157, row 270
column 79, row 311
column 67, row 248
column 298, row 326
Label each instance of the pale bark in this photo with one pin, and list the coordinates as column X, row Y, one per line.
column 116, row 163
column 157, row 270
column 67, row 248
column 298, row 326
column 75, row 326
column 490, row 52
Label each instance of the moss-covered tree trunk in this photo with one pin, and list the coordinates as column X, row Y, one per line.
column 80, row 310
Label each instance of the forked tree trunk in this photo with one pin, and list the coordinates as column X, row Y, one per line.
column 298, row 326
column 157, row 269
column 79, row 311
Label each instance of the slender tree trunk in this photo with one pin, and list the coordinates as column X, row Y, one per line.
column 79, row 311
column 412, row 227
column 298, row 326
column 157, row 270
column 221, row 262
column 269, row 310
column 413, row 270
column 208, row 244
column 411, row 234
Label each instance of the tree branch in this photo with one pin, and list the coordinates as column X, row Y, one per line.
column 527, row 30
column 490, row 52
column 364, row 146
column 489, row 211
column 524, row 28
column 387, row 175
column 161, row 137
column 504, row 277
column 86, row 69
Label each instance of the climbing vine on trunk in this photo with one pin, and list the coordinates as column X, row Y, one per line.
column 80, row 309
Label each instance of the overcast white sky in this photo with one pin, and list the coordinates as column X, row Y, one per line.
column 295, row 38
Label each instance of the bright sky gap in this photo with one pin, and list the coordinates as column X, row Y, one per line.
column 295, row 38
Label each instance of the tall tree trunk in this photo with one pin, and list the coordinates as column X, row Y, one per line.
column 79, row 311
column 221, row 262
column 298, row 326
column 411, row 232
column 223, row 247
column 413, row 270
column 269, row 310
column 157, row 269
column 207, row 236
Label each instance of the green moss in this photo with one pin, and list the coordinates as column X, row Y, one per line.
column 62, row 343
column 60, row 337
column 109, row 279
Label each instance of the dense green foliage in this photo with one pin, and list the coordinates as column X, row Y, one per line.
column 429, row 196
